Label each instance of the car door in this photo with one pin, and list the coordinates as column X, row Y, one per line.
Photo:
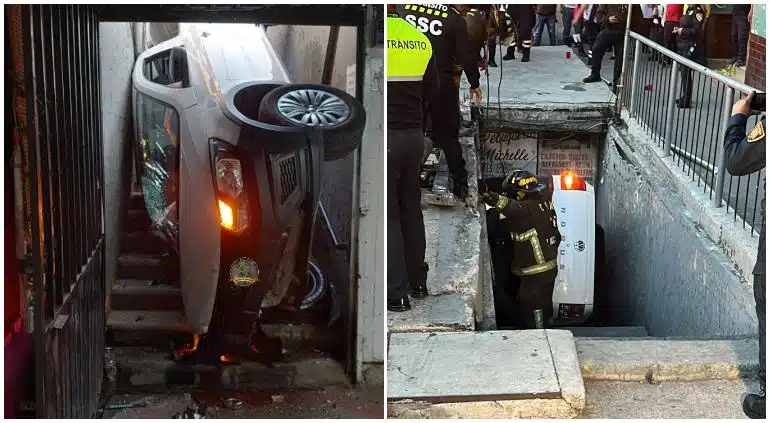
column 161, row 91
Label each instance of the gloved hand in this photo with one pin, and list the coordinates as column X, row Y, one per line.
column 490, row 198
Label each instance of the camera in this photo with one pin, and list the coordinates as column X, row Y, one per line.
column 758, row 102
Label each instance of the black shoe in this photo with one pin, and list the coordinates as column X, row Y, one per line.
column 594, row 77
column 732, row 62
column 681, row 104
column 492, row 63
column 419, row 291
column 740, row 63
column 754, row 405
column 510, row 54
column 525, row 56
column 399, row 305
column 581, row 51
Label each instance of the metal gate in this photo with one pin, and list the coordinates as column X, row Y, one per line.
column 64, row 181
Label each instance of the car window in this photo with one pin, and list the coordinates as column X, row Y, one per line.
column 158, row 69
column 157, row 127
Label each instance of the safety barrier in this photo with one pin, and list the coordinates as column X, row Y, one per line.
column 693, row 137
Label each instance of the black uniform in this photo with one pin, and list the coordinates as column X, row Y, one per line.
column 532, row 245
column 690, row 45
column 739, row 34
column 406, row 229
column 745, row 154
column 611, row 37
column 448, row 34
column 523, row 16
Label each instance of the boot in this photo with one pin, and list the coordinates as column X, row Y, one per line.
column 594, row 77
column 492, row 63
column 525, row 55
column 399, row 305
column 510, row 54
column 418, row 278
column 754, row 405
column 581, row 51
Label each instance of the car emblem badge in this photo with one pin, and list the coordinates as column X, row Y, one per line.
column 580, row 246
column 244, row 272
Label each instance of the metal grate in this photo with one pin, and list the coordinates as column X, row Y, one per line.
column 288, row 170
column 65, row 178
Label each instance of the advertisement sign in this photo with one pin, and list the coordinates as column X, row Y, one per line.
column 503, row 151
column 559, row 154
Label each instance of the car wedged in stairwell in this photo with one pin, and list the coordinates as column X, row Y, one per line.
column 230, row 155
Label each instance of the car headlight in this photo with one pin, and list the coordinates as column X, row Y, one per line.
column 232, row 201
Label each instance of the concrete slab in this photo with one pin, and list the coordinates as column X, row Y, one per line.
column 666, row 360
column 708, row 399
column 452, row 367
column 609, row 332
column 450, row 375
column 436, row 313
column 545, row 94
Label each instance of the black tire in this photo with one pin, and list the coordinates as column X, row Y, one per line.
column 339, row 139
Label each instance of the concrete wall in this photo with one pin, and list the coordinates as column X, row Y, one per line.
column 665, row 272
column 116, row 53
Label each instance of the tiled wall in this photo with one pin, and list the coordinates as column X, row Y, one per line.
column 755, row 65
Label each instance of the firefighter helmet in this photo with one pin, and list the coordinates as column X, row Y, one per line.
column 519, row 184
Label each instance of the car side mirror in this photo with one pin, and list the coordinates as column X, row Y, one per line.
column 179, row 68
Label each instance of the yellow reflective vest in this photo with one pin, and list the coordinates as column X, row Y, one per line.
column 408, row 49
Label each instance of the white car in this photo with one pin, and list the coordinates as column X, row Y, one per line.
column 574, row 203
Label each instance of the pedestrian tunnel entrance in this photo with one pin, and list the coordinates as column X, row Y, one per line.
column 540, row 116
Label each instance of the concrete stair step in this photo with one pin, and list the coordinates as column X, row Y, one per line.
column 609, row 332
column 146, row 242
column 137, row 220
column 148, row 321
column 136, row 294
column 495, row 374
column 146, row 267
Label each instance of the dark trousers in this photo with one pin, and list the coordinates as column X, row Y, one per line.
column 445, row 126
column 406, row 229
column 492, row 46
column 686, row 90
column 759, row 298
column 607, row 39
column 739, row 36
column 566, row 23
column 535, row 292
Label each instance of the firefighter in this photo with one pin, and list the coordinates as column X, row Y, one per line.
column 613, row 16
column 529, row 219
column 690, row 44
column 502, row 28
column 523, row 16
column 445, row 28
column 412, row 79
column 745, row 154
column 477, row 22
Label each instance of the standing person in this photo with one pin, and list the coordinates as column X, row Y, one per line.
column 546, row 16
column 503, row 29
column 649, row 12
column 672, row 14
column 448, row 35
column 567, row 12
column 739, row 35
column 745, row 154
column 523, row 16
column 530, row 221
column 690, row 45
column 614, row 20
column 412, row 79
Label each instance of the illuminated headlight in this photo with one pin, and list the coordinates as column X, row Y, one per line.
column 232, row 202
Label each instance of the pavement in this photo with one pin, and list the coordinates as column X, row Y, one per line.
column 327, row 403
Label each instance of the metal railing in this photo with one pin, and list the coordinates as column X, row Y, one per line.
column 693, row 137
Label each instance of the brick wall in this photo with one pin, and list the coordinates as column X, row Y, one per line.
column 755, row 64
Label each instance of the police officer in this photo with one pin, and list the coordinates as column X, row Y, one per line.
column 412, row 79
column 448, row 35
column 745, row 154
column 523, row 16
column 529, row 220
column 690, row 44
column 611, row 37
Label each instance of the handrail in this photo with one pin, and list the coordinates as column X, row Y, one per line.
column 746, row 89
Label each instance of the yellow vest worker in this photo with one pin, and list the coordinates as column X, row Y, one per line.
column 412, row 79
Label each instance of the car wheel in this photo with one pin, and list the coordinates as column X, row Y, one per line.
column 340, row 116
